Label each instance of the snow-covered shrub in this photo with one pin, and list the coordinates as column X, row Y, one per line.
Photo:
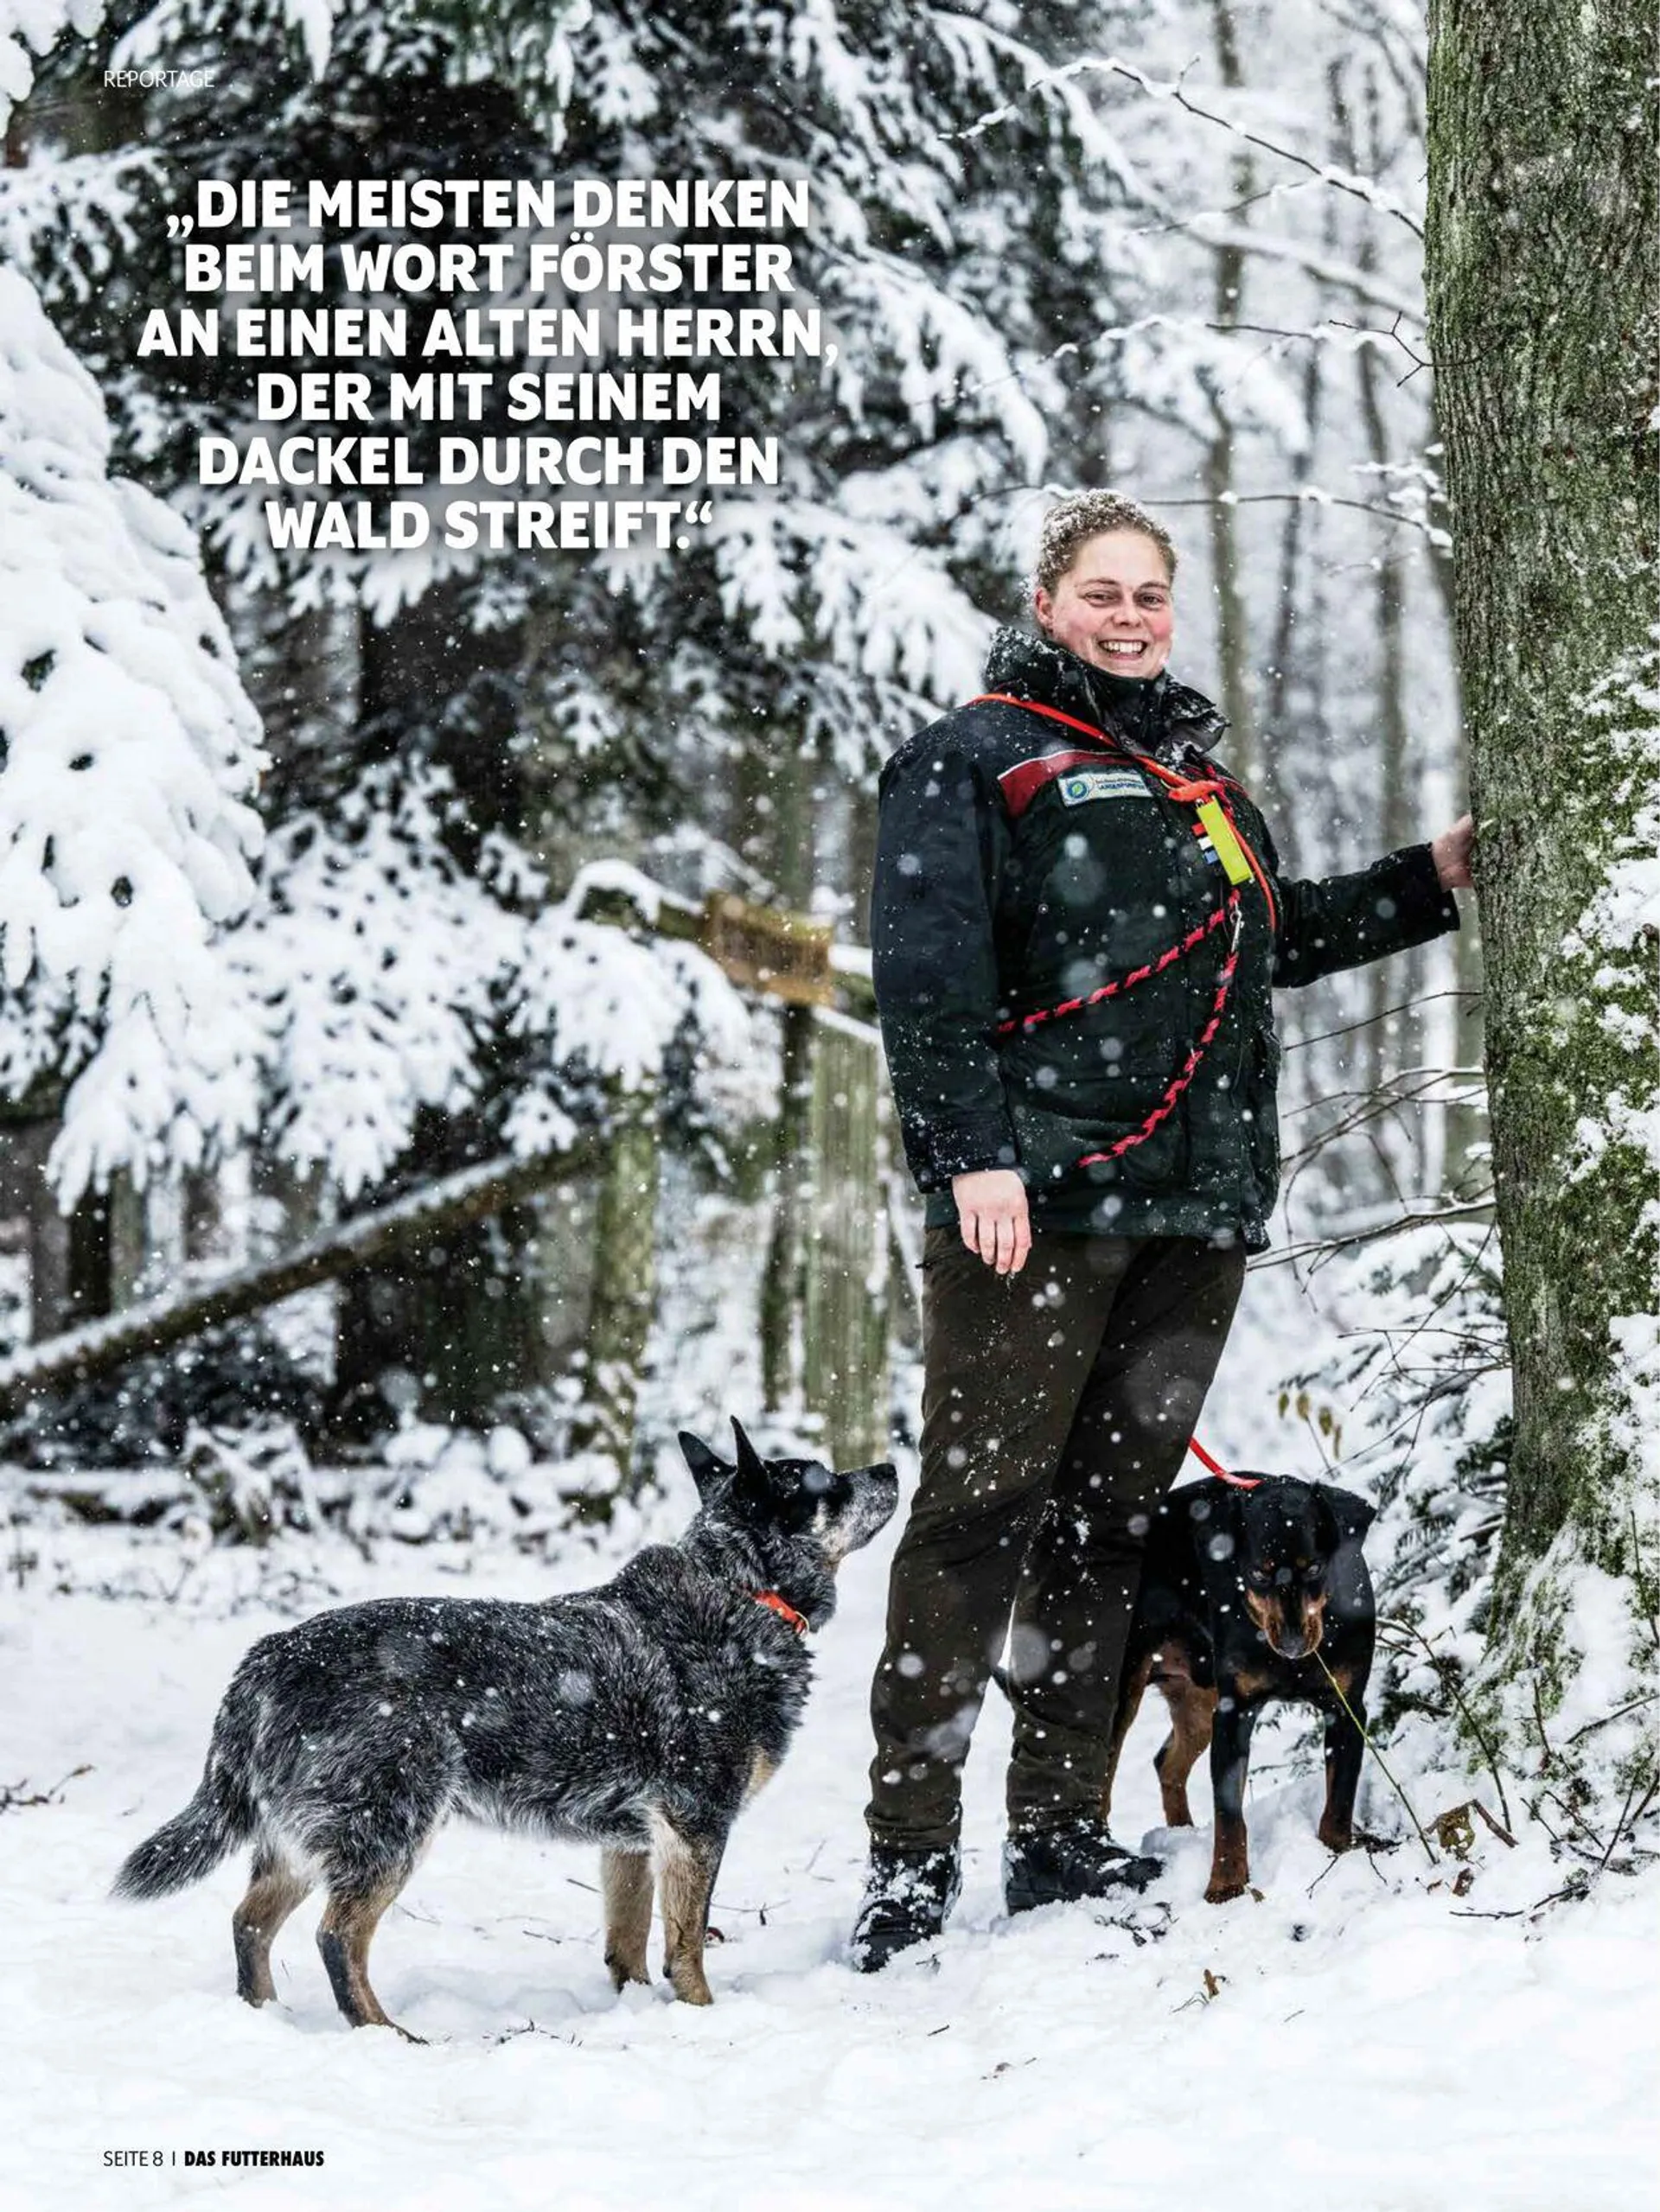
column 128, row 754
column 1423, row 1388
column 232, row 1378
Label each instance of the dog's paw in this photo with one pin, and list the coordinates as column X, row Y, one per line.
column 1220, row 1892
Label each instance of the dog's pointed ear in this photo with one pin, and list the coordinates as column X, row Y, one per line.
column 751, row 1477
column 707, row 1467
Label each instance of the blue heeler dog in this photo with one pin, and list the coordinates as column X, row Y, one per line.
column 638, row 1716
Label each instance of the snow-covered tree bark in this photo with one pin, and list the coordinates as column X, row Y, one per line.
column 1544, row 268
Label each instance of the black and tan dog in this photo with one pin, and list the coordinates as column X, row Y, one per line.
column 638, row 1716
column 1253, row 1588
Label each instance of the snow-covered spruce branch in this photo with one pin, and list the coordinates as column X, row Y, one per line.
column 132, row 754
column 82, row 212
column 1339, row 180
column 28, row 34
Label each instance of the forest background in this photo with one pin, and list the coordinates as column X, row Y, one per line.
column 372, row 925
column 378, row 959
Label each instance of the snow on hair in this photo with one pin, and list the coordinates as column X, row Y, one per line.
column 1082, row 515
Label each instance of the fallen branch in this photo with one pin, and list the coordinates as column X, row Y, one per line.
column 438, row 1209
column 1627, row 1817
column 1618, row 1713
column 12, row 1799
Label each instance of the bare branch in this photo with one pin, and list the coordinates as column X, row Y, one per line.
column 1360, row 187
column 1281, row 191
column 1343, row 276
column 1472, row 1209
column 1311, row 496
column 1405, row 1006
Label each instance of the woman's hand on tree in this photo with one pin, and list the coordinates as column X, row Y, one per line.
column 991, row 1213
column 1450, row 853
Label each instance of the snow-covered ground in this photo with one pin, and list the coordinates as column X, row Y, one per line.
column 1359, row 2038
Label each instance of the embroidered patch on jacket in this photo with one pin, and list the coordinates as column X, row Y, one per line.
column 1082, row 785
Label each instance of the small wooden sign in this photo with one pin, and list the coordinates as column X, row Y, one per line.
column 785, row 955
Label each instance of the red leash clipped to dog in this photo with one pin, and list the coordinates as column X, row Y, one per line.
column 1239, row 1481
column 783, row 1609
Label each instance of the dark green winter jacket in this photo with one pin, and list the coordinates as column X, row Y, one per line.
column 1022, row 863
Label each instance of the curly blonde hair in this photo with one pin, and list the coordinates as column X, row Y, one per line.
column 1081, row 515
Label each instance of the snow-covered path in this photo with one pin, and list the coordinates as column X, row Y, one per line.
column 1352, row 2040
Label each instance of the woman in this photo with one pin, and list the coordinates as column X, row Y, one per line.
column 1077, row 918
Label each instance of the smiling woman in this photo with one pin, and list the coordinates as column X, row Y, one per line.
column 1107, row 593
column 1078, row 917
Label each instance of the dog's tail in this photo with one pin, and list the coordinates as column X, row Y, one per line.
column 219, row 1816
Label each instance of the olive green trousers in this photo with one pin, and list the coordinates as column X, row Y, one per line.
column 1057, row 1406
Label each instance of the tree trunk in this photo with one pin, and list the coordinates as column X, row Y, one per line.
column 92, row 1260
column 1389, row 982
column 774, row 828
column 845, row 1320
column 456, row 1333
column 1467, row 1149
column 1292, row 605
column 624, row 1298
column 1296, row 719
column 1544, row 280
column 781, row 1280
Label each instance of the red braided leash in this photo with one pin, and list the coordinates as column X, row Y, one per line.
column 1230, row 912
column 1167, row 1105
column 1190, row 791
column 1194, row 938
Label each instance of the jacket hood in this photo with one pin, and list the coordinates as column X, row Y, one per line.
column 1156, row 716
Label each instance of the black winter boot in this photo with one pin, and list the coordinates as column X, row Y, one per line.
column 908, row 1893
column 1063, row 1864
